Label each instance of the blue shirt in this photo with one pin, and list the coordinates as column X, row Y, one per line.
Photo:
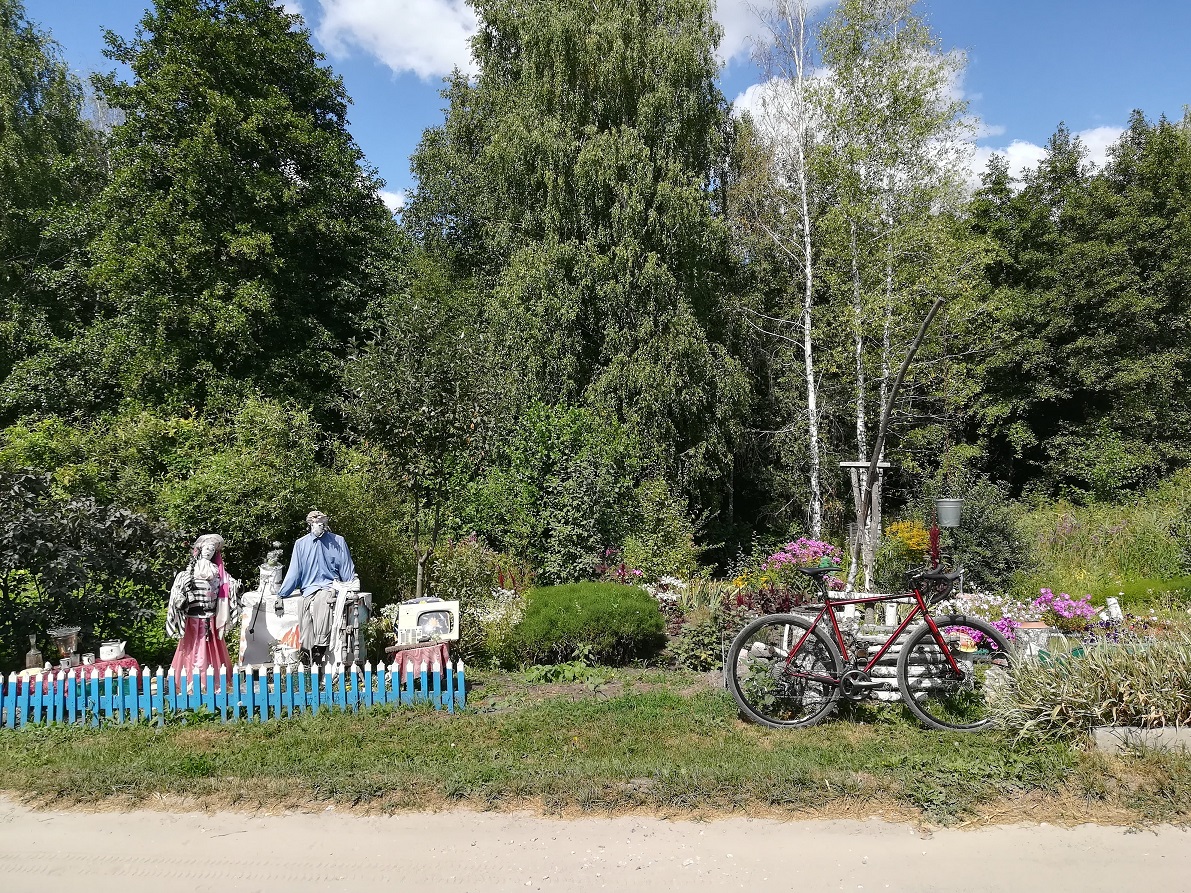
column 317, row 563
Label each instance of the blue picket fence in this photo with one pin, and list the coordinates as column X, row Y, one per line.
column 243, row 694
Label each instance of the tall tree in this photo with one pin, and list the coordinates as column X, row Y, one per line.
column 48, row 163
column 896, row 132
column 782, row 205
column 239, row 226
column 574, row 178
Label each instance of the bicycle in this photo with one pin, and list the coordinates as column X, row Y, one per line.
column 788, row 670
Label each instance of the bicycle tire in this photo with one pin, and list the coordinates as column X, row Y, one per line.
column 761, row 683
column 930, row 688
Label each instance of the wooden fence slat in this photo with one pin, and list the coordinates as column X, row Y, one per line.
column 424, row 695
column 24, row 700
column 208, row 690
column 368, row 693
column 460, row 686
column 159, row 696
column 10, row 702
column 275, row 693
column 72, row 704
column 93, row 700
column 146, row 696
column 436, row 684
column 407, row 691
column 449, row 695
column 300, row 693
column 287, row 694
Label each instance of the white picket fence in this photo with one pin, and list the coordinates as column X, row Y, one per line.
column 241, row 694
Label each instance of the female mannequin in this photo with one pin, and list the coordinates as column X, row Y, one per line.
column 200, row 610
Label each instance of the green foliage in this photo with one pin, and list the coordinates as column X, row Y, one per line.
column 572, row 671
column 699, row 645
column 1101, row 547
column 234, row 240
column 663, row 541
column 74, row 562
column 610, row 623
column 1084, row 394
column 560, row 490
column 49, row 165
column 572, row 177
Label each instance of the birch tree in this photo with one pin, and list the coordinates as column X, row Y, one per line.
column 784, row 213
column 895, row 124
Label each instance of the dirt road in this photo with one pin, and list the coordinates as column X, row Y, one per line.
column 465, row 851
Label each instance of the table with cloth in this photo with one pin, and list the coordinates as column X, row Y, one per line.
column 83, row 672
column 431, row 654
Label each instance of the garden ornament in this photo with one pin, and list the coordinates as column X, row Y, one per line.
column 201, row 607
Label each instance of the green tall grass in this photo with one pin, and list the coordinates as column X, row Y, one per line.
column 1103, row 548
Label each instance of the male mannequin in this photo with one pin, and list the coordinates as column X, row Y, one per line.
column 319, row 559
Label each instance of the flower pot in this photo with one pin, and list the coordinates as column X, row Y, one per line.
column 947, row 511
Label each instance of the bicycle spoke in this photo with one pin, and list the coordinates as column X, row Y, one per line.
column 778, row 687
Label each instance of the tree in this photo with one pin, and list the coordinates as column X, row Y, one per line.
column 1086, row 395
column 574, row 181
column 896, row 138
column 237, row 237
column 48, row 163
column 782, row 205
column 420, row 390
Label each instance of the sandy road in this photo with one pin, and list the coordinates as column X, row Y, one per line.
column 175, row 852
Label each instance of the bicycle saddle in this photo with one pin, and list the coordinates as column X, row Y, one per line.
column 818, row 573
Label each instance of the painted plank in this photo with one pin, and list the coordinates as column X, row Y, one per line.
column 72, row 704
column 159, row 696
column 301, row 693
column 275, row 693
column 146, row 695
column 407, row 693
column 353, row 694
column 249, row 693
column 449, row 694
column 460, row 686
column 424, row 694
column 10, row 702
column 35, row 702
column 287, row 694
column 367, row 692
column 208, row 690
column 24, row 699
column 436, row 684
column 94, row 702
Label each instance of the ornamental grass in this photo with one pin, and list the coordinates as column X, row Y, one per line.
column 1137, row 681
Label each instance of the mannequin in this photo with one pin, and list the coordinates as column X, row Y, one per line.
column 319, row 560
column 200, row 609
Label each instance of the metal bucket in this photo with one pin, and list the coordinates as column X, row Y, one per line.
column 947, row 511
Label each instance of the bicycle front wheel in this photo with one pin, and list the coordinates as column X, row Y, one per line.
column 931, row 687
column 777, row 690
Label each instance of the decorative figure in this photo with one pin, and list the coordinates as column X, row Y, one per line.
column 33, row 658
column 200, row 609
column 320, row 560
column 262, row 627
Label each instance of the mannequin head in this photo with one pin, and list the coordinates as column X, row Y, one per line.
column 319, row 523
column 208, row 546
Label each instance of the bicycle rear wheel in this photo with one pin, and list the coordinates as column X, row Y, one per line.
column 934, row 692
column 775, row 691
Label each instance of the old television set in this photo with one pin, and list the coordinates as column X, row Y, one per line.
column 421, row 621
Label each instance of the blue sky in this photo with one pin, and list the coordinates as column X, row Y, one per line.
column 1031, row 63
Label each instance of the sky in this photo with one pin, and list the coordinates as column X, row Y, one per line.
column 1031, row 63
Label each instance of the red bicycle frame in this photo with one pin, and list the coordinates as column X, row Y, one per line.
column 830, row 603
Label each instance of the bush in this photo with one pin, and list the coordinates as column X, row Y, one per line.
column 612, row 623
column 489, row 587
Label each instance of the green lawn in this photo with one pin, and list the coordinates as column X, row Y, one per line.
column 662, row 743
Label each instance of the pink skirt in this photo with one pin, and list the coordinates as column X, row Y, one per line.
column 200, row 648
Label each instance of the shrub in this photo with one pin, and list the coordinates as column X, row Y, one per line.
column 699, row 645
column 1138, row 682
column 489, row 587
column 614, row 623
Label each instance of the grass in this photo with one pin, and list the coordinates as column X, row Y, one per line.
column 1103, row 547
column 663, row 743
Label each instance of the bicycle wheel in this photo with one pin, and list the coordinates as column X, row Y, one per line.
column 934, row 692
column 773, row 690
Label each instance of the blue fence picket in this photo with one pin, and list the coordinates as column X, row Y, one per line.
column 159, row 696
column 252, row 692
column 9, row 704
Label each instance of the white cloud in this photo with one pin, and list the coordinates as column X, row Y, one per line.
column 293, row 7
column 394, row 201
column 427, row 37
column 1024, row 156
column 430, row 37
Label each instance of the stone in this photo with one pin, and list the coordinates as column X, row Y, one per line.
column 1119, row 739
